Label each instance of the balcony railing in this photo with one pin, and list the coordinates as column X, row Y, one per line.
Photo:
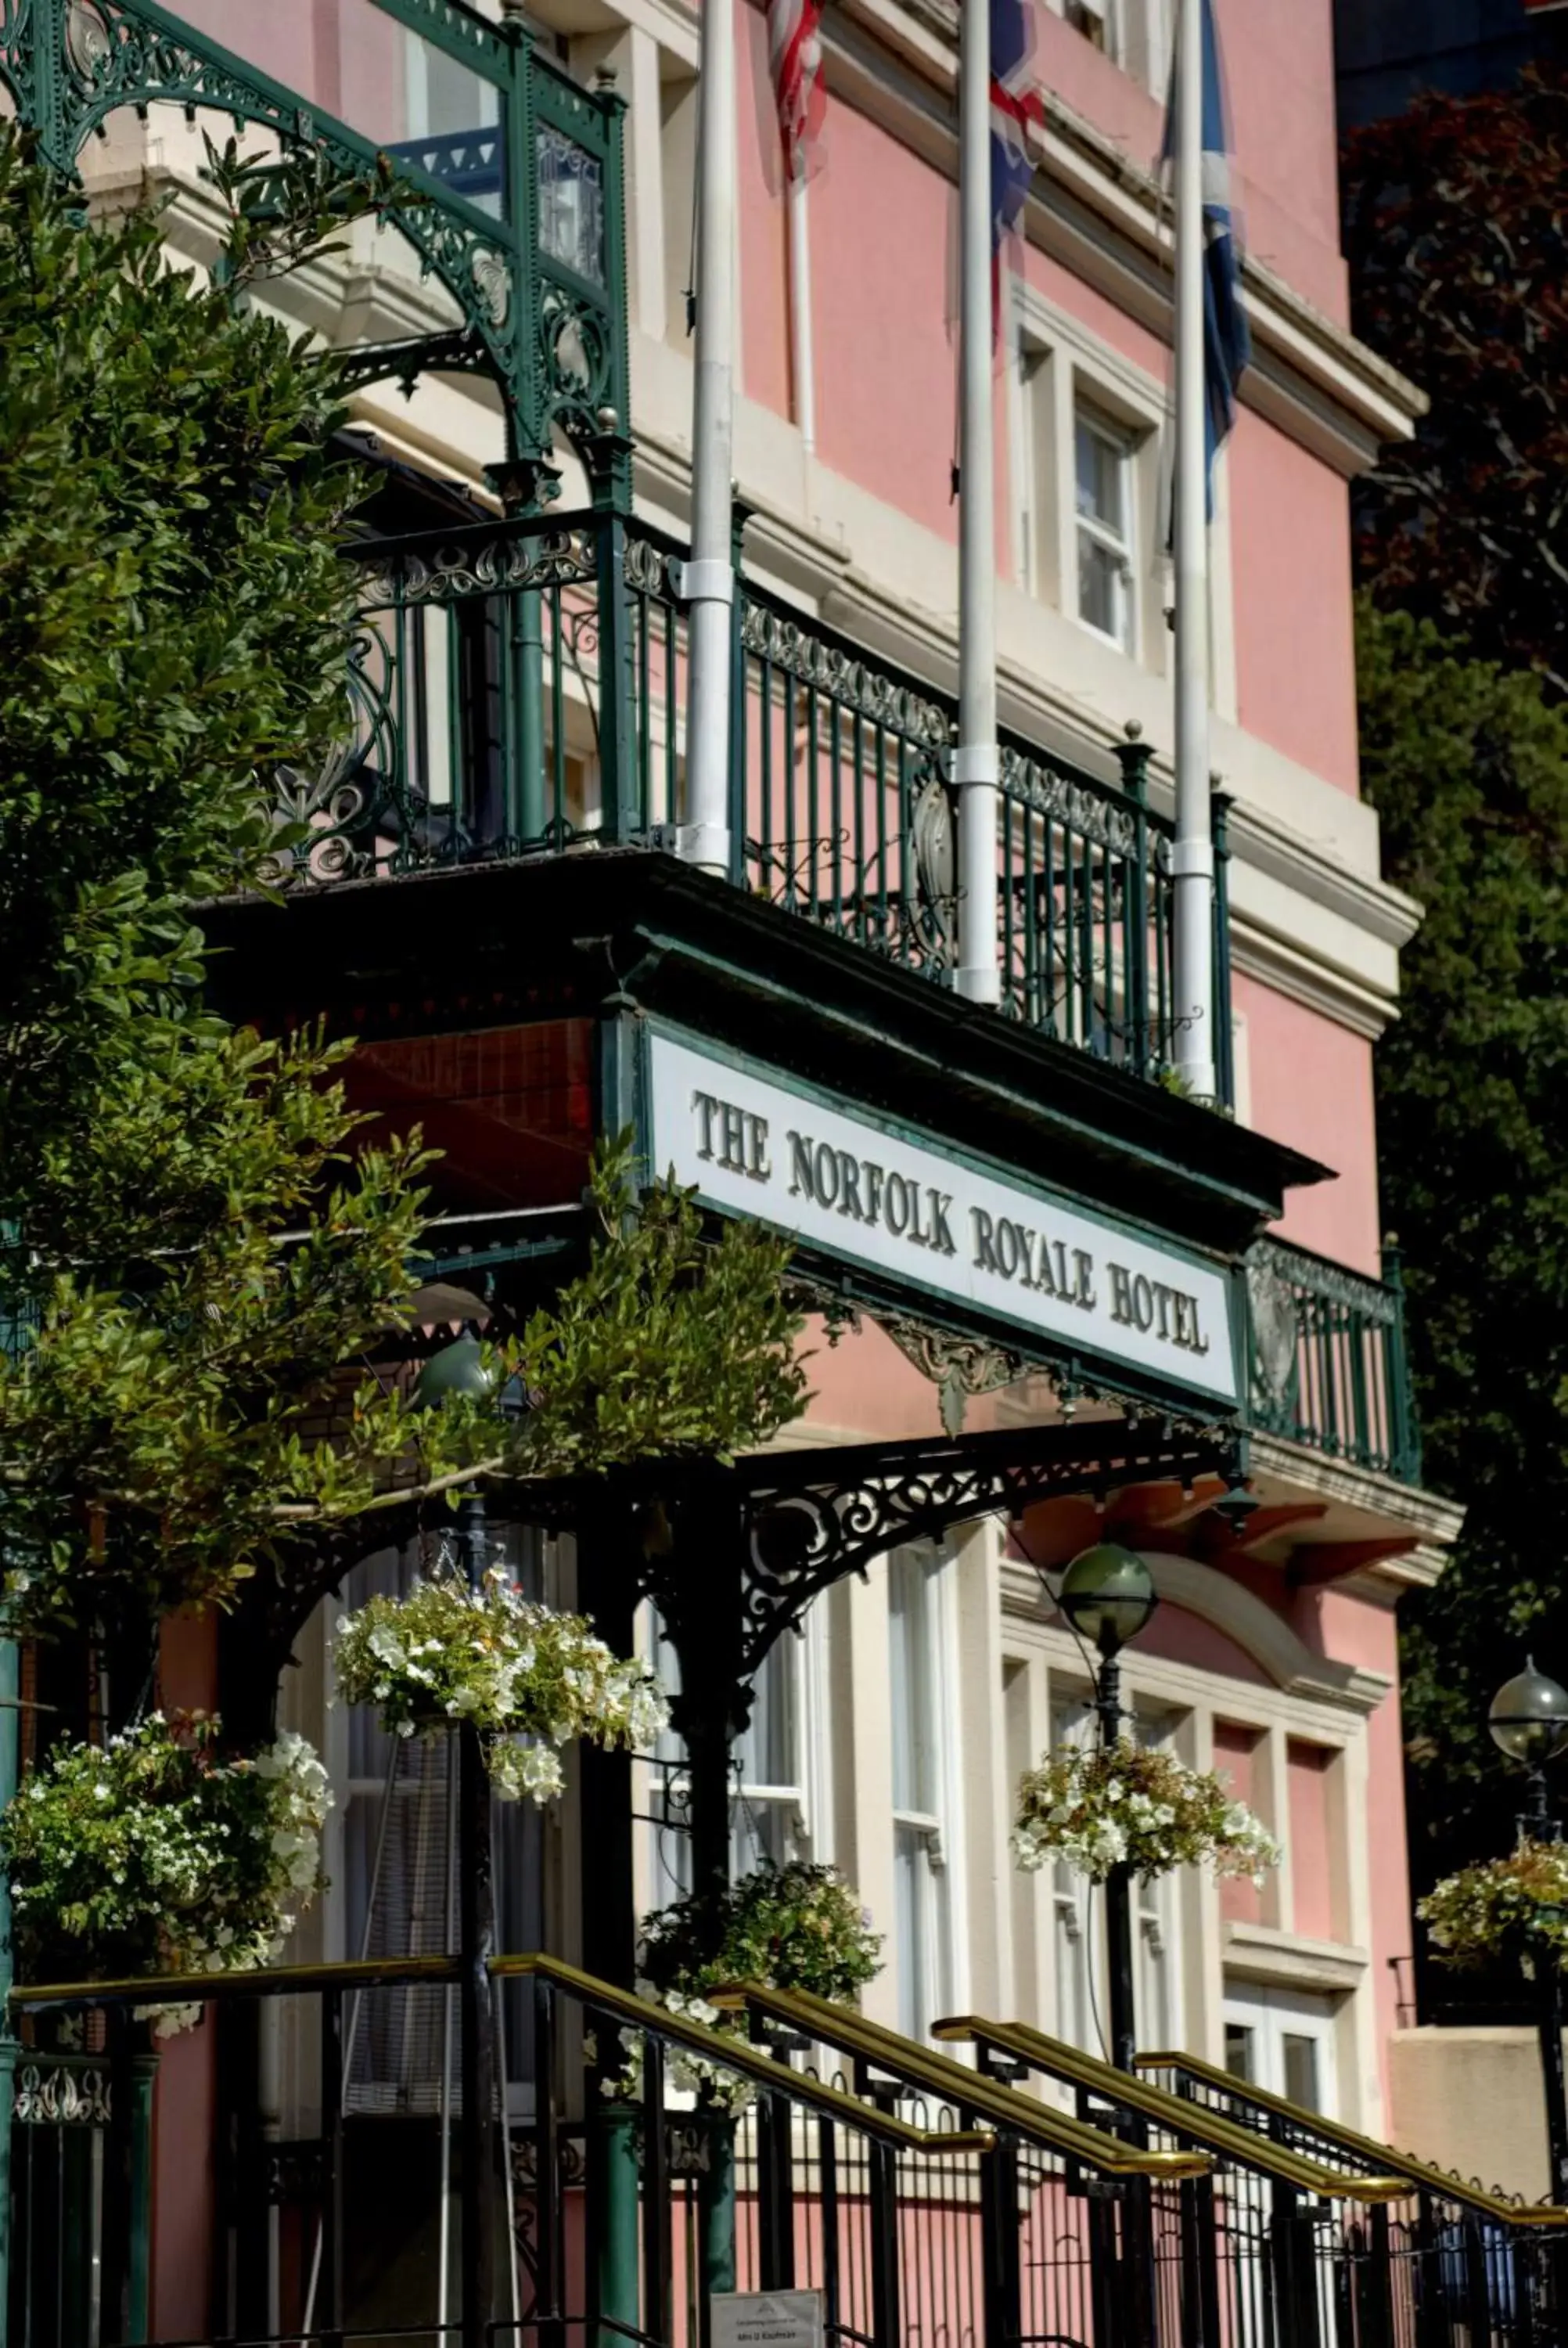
column 1328, row 1365
column 520, row 687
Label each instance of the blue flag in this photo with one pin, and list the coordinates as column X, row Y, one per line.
column 1227, row 342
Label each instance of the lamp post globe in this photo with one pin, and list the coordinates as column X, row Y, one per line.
column 459, row 1369
column 1108, row 1595
column 1529, row 1717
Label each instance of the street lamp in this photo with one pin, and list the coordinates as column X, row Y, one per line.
column 1529, row 1722
column 1108, row 1595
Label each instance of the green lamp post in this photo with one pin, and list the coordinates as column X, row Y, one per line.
column 1108, row 1595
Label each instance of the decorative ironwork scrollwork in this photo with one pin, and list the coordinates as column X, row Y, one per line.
column 1077, row 806
column 325, row 824
column 789, row 645
column 63, row 2096
column 959, row 1367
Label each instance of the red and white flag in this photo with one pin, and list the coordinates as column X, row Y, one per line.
column 795, row 60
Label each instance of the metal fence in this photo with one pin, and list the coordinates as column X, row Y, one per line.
column 519, row 688
column 919, row 2219
column 1440, row 2264
column 1328, row 1365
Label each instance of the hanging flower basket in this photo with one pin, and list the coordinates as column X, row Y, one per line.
column 1516, row 1907
column 795, row 1927
column 1130, row 1806
column 517, row 1670
column 159, row 1853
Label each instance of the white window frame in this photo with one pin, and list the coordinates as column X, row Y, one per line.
column 1058, row 366
column 1122, row 546
column 1272, row 2015
column 936, row 1833
column 803, row 1801
column 1137, row 35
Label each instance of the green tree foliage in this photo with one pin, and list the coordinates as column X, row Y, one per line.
column 174, row 619
column 666, row 1344
column 1467, row 767
column 1455, row 234
column 204, row 1258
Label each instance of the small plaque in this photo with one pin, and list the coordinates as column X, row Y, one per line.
column 767, row 2318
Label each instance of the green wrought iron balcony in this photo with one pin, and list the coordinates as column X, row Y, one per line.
column 506, row 174
column 518, row 689
column 1328, row 1365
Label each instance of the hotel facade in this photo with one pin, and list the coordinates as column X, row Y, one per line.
column 1067, row 1303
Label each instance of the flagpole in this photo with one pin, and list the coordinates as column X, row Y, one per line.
column 975, row 758
column 801, row 356
column 1193, row 856
column 709, row 582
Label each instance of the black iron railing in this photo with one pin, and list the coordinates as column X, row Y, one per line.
column 923, row 2212
column 1328, row 1365
column 519, row 688
column 1465, row 2268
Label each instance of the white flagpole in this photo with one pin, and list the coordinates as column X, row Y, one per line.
column 975, row 759
column 709, row 582
column 1193, row 856
column 801, row 362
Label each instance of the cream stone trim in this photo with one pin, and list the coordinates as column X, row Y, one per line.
column 1263, row 1953
column 1291, row 1665
column 1437, row 1522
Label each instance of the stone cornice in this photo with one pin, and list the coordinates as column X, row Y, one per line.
column 1104, row 220
column 1436, row 1522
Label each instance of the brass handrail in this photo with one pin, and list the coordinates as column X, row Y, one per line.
column 1425, row 2175
column 850, row 2032
column 294, row 1981
column 737, row 2054
column 265, row 1981
column 1226, row 2138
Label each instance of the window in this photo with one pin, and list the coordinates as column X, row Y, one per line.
column 1092, row 19
column 1282, row 2041
column 1077, row 2020
column 1102, row 474
column 1134, row 34
column 772, row 1809
column 1156, row 1928
column 398, row 1892
column 920, row 1694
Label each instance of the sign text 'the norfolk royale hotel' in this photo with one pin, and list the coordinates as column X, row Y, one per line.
column 756, row 1145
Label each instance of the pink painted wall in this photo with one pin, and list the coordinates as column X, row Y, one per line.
column 1185, row 1638
column 1290, row 558
column 1311, row 1084
column 1241, row 1901
column 1279, row 71
column 1311, row 1873
column 879, row 231
column 1336, row 1622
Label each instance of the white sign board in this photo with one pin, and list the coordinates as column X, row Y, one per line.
column 753, row 1144
column 767, row 2319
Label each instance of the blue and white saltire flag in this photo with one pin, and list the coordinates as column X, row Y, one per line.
column 1227, row 342
column 1015, row 103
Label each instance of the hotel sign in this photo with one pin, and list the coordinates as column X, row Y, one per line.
column 846, row 1185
